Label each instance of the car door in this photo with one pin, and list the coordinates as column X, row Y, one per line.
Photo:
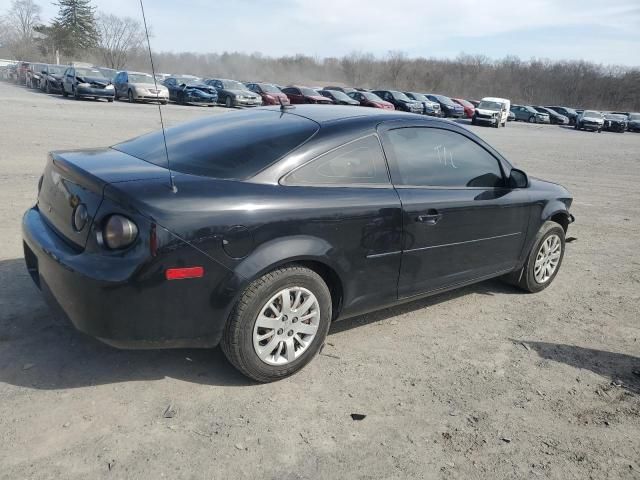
column 359, row 216
column 117, row 83
column 294, row 94
column 67, row 84
column 461, row 222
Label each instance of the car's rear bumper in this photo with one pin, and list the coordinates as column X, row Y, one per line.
column 123, row 301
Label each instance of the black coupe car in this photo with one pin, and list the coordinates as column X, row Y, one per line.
column 278, row 221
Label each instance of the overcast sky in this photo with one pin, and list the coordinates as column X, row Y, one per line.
column 600, row 31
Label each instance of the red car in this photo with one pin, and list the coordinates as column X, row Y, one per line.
column 368, row 99
column 469, row 109
column 305, row 95
column 271, row 95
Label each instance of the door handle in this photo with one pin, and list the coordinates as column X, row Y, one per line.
column 430, row 218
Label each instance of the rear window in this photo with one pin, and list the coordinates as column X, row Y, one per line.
column 230, row 146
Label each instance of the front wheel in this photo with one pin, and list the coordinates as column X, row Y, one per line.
column 227, row 102
column 279, row 324
column 544, row 260
column 532, row 119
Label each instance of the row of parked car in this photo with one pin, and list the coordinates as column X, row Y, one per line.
column 84, row 80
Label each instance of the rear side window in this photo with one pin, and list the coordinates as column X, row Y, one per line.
column 356, row 163
column 432, row 157
column 231, row 146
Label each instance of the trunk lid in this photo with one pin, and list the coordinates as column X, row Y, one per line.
column 77, row 178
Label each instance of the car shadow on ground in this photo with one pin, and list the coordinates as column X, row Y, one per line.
column 41, row 351
column 619, row 368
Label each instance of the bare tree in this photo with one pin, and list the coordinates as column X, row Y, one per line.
column 120, row 37
column 18, row 28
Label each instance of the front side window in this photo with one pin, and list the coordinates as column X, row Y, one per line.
column 356, row 163
column 432, row 157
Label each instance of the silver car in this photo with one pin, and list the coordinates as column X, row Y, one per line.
column 139, row 87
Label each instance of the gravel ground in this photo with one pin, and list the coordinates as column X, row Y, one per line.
column 484, row 382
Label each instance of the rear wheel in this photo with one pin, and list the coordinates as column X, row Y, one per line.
column 544, row 260
column 279, row 324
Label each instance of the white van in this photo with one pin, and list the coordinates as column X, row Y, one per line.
column 493, row 111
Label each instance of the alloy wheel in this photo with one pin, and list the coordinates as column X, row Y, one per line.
column 286, row 325
column 547, row 259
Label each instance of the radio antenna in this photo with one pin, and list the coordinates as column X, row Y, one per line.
column 174, row 189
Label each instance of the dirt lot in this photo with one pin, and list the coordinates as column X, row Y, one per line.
column 486, row 382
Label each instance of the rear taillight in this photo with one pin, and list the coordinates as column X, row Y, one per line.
column 119, row 232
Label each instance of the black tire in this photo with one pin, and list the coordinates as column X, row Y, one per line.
column 130, row 97
column 110, row 100
column 237, row 339
column 47, row 87
column 524, row 278
column 532, row 119
column 473, row 121
column 164, row 102
column 228, row 102
column 76, row 95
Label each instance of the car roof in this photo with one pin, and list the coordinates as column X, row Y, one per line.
column 325, row 114
column 136, row 73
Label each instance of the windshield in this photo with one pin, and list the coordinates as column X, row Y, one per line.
column 634, row 116
column 445, row 100
column 232, row 85
column 309, row 92
column 231, row 146
column 267, row 88
column 591, row 113
column 187, row 80
column 140, row 78
column 486, row 105
column 372, row 97
column 419, row 97
column 612, row 116
column 400, row 96
column 339, row 95
column 56, row 70
column 462, row 101
column 89, row 72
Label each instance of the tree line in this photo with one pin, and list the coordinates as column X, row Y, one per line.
column 81, row 33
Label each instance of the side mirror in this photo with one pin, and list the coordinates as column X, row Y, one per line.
column 518, row 179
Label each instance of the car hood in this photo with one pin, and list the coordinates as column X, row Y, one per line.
column 484, row 111
column 97, row 80
column 319, row 97
column 148, row 85
column 593, row 119
column 245, row 93
column 203, row 88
